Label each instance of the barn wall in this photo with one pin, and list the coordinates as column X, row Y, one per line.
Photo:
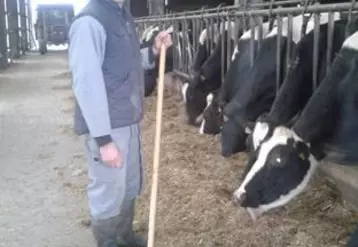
column 139, row 9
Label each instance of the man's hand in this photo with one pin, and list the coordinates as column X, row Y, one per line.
column 110, row 155
column 163, row 38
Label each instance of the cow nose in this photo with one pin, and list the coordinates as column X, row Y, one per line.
column 235, row 201
column 238, row 200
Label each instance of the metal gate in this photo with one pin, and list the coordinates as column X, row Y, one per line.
column 187, row 27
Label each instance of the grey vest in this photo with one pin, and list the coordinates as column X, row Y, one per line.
column 122, row 69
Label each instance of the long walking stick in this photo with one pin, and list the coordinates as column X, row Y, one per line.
column 153, row 198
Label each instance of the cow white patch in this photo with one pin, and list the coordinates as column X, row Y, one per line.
column 351, row 42
column 209, row 101
column 280, row 136
column 248, row 131
column 247, row 35
column 265, row 30
column 170, row 29
column 260, row 131
column 202, row 126
column 184, row 89
column 236, row 50
column 145, row 32
column 323, row 19
column 199, row 118
column 203, row 36
column 297, row 22
column 150, row 33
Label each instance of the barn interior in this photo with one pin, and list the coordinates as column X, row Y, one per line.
column 43, row 172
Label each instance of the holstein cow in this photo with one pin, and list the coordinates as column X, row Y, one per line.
column 240, row 65
column 259, row 91
column 194, row 100
column 298, row 86
column 207, row 78
column 288, row 157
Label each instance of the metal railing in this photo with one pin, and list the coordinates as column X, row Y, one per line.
column 188, row 25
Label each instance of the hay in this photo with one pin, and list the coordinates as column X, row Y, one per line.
column 195, row 186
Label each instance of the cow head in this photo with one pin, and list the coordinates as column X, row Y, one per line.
column 196, row 78
column 232, row 137
column 212, row 116
column 280, row 171
column 194, row 100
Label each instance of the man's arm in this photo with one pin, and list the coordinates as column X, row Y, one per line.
column 86, row 54
column 148, row 57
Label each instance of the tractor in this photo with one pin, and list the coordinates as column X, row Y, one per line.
column 52, row 24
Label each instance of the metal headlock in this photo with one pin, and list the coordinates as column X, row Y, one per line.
column 188, row 25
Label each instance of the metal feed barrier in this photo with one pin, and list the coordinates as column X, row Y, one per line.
column 248, row 17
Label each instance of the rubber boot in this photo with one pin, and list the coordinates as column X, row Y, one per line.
column 353, row 240
column 126, row 236
column 105, row 232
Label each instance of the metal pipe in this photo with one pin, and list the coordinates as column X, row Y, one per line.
column 339, row 7
column 228, row 8
column 316, row 29
column 278, row 53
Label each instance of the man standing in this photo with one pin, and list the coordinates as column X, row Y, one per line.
column 107, row 75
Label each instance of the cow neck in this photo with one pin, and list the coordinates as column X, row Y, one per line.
column 320, row 110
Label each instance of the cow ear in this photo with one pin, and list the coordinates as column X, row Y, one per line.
column 225, row 118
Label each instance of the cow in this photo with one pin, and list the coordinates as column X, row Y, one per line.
column 285, row 161
column 195, row 100
column 298, row 85
column 259, row 90
column 212, row 117
column 207, row 76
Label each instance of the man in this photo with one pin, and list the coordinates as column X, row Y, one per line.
column 107, row 69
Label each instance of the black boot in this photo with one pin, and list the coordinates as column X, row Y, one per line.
column 126, row 236
column 105, row 232
column 353, row 240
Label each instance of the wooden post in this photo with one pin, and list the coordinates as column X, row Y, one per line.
column 156, row 156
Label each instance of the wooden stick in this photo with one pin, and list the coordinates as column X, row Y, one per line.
column 153, row 198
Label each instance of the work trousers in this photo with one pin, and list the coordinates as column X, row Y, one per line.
column 108, row 187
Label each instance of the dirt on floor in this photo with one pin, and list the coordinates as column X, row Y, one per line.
column 43, row 177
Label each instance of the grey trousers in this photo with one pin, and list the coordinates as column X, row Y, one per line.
column 108, row 187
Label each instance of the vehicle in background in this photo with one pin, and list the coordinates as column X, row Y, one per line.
column 52, row 24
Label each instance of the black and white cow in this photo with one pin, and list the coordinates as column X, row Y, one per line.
column 298, row 86
column 240, row 65
column 207, row 76
column 259, row 91
column 193, row 99
column 327, row 128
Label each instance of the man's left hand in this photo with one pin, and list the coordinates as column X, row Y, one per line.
column 163, row 38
